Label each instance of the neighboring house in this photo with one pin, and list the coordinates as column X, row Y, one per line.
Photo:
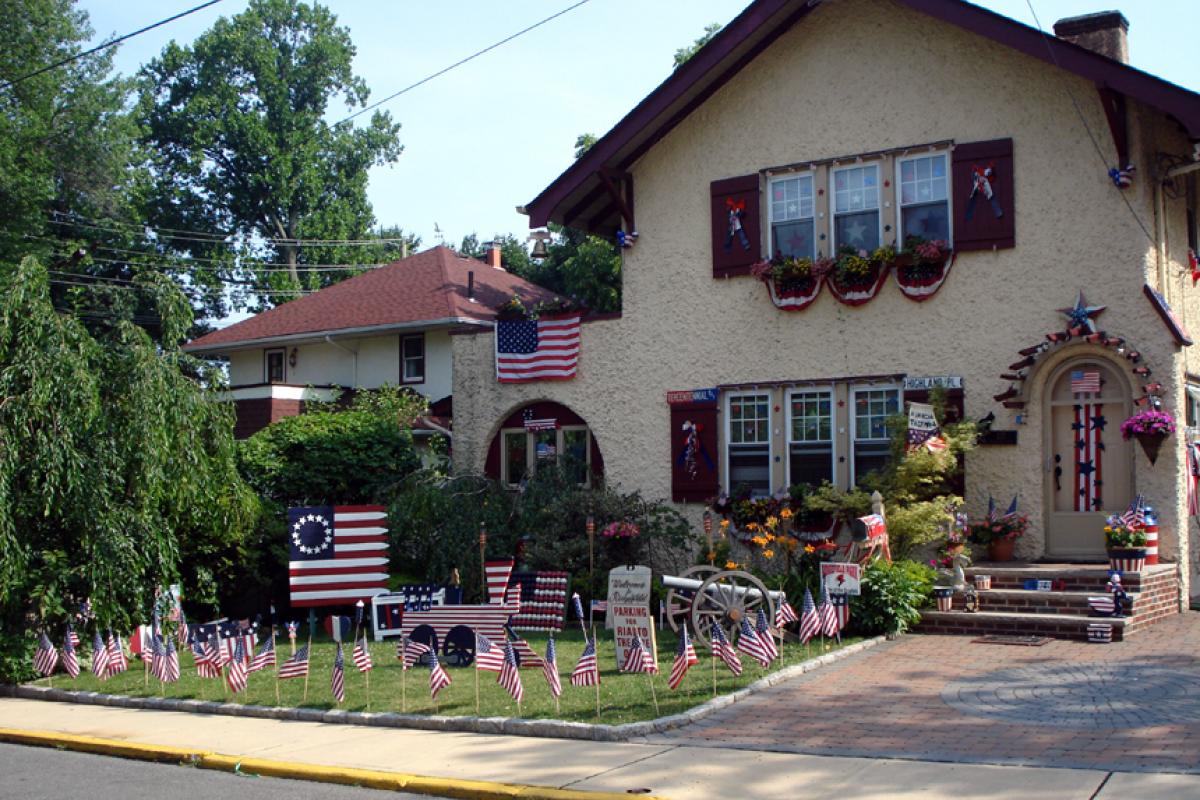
column 389, row 326
column 860, row 122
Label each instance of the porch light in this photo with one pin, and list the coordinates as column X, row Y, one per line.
column 292, row 357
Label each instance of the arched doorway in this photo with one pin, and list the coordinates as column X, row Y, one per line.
column 538, row 434
column 1090, row 466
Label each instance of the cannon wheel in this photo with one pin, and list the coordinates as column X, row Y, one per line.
column 460, row 646
column 679, row 601
column 727, row 598
column 426, row 635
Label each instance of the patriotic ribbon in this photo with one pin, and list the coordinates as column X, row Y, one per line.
column 981, row 184
column 737, row 210
column 692, row 446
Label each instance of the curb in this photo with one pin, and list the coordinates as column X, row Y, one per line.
column 515, row 726
column 349, row 776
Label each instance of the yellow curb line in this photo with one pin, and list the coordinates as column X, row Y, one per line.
column 350, row 776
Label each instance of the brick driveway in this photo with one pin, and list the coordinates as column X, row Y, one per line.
column 1126, row 706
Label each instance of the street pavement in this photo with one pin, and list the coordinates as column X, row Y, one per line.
column 34, row 773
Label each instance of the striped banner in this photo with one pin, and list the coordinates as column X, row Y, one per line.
column 1089, row 453
column 338, row 555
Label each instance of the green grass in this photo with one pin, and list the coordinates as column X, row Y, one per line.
column 623, row 697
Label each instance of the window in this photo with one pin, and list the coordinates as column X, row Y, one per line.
column 810, row 437
column 924, row 198
column 871, row 448
column 412, row 358
column 274, row 361
column 523, row 451
column 1192, row 405
column 749, row 450
column 856, row 207
column 792, row 216
column 515, row 452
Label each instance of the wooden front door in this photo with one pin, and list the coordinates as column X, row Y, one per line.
column 1090, row 471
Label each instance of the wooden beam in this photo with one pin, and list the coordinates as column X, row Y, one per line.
column 1114, row 110
column 607, row 177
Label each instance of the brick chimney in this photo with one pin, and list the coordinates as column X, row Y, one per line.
column 493, row 255
column 1103, row 32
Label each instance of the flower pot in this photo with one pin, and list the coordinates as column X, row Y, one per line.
column 944, row 597
column 1151, row 443
column 1001, row 549
column 983, row 583
column 1127, row 559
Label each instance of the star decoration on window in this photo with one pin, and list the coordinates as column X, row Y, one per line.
column 855, row 231
column 1081, row 315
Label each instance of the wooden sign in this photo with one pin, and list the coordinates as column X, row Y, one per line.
column 629, row 609
column 841, row 578
column 690, row 396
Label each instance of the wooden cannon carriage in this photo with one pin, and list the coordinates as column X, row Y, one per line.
column 705, row 595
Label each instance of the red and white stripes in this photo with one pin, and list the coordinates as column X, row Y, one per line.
column 1088, row 458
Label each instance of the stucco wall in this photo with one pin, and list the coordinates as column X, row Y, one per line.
column 860, row 76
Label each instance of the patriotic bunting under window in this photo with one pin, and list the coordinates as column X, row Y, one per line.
column 1088, row 429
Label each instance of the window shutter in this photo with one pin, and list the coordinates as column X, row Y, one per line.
column 684, row 487
column 985, row 229
column 733, row 252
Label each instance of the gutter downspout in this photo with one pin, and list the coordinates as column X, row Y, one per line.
column 354, row 372
column 1160, row 232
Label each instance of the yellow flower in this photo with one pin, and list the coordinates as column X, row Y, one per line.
column 770, row 537
column 786, row 513
column 724, row 523
column 752, row 526
column 808, row 548
column 768, row 553
column 731, row 565
column 772, row 522
column 712, row 554
column 759, row 540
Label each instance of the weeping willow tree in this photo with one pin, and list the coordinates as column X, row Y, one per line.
column 117, row 466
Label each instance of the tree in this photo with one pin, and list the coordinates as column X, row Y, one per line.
column 235, row 125
column 684, row 54
column 117, row 469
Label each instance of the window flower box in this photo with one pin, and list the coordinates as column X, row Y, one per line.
column 857, row 275
column 922, row 267
column 792, row 283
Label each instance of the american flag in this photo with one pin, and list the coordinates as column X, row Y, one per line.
column 337, row 682
column 181, row 631
column 785, row 614
column 339, row 554
column 829, row 621
column 1083, row 382
column 45, row 659
column 170, row 668
column 99, row 658
column 158, row 655
column 216, row 653
column 751, row 644
column 723, row 650
column 70, row 657
column 550, row 668
column 235, row 671
column 1135, row 515
column 362, row 656
column 685, row 657
column 72, row 636
column 810, row 620
column 538, row 424
column 510, row 676
column 638, row 658
column 410, row 651
column 117, row 662
column 764, row 634
column 265, row 657
column 205, row 666
column 535, row 350
column 438, row 677
column 488, row 656
column 586, row 672
column 296, row 666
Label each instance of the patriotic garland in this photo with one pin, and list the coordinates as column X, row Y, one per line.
column 692, row 447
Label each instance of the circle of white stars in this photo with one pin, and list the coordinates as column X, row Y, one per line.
column 300, row 545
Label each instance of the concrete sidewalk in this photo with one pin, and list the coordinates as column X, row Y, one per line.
column 676, row 771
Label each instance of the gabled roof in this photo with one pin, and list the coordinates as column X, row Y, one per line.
column 427, row 289
column 578, row 197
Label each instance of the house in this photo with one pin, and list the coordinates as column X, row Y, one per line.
column 807, row 126
column 387, row 326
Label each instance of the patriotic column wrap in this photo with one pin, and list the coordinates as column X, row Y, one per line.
column 1088, row 428
column 1150, row 528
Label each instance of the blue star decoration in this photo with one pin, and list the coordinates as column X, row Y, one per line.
column 1098, row 422
column 1081, row 315
column 1086, row 468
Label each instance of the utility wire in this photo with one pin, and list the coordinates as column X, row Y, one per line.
column 210, row 238
column 106, row 45
column 471, row 57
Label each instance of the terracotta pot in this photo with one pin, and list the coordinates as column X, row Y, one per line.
column 1151, row 443
column 1001, row 550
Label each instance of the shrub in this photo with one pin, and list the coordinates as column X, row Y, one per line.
column 892, row 596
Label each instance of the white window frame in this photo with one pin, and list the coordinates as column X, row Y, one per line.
column 531, row 451
column 730, row 444
column 833, row 429
column 899, row 223
column 1191, row 398
column 855, row 390
column 834, row 244
column 812, row 175
column 405, row 359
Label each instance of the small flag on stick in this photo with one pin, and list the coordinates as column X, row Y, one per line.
column 510, row 676
column 586, row 672
column 438, row 677
column 810, row 620
column 99, row 658
column 723, row 650
column 550, row 669
column 362, row 656
column 45, row 659
column 265, row 657
column 296, row 666
column 685, row 657
column 235, row 672
column 488, row 657
column 764, row 635
column 70, row 656
column 752, row 645
column 337, row 682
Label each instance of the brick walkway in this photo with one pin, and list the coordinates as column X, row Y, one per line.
column 1127, row 706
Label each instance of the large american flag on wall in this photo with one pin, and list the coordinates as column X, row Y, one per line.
column 338, row 554
column 545, row 349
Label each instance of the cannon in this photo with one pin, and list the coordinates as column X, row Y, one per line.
column 705, row 595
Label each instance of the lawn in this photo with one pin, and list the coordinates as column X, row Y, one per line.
column 623, row 697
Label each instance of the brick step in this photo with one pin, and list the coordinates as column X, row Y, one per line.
column 1025, row 601
column 1075, row 578
column 1057, row 626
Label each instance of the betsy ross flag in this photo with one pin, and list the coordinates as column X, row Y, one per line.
column 1085, row 382
column 337, row 682
column 510, row 676
column 338, row 554
column 550, row 668
column 410, row 651
column 586, row 672
column 810, row 620
column 235, row 671
column 296, row 666
column 723, row 650
column 438, row 677
column 751, row 644
column 488, row 656
column 99, row 658
column 265, row 657
column 362, row 656
column 45, row 659
column 764, row 634
column 685, row 657
column 70, row 657
column 785, row 614
column 545, row 349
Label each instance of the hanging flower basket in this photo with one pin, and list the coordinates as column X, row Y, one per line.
column 857, row 275
column 795, row 295
column 1150, row 428
column 1151, row 443
column 920, row 280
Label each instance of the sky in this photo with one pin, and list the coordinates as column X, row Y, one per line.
column 490, row 135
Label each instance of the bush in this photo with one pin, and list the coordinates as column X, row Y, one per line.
column 892, row 596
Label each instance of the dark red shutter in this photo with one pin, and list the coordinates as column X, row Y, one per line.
column 984, row 230
column 731, row 256
column 685, row 488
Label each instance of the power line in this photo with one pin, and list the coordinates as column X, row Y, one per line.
column 471, row 57
column 211, row 238
column 106, row 45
